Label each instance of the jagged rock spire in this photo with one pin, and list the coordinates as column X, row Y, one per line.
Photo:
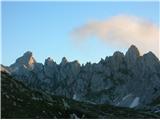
column 132, row 54
column 49, row 61
column 118, row 54
column 64, row 61
column 27, row 61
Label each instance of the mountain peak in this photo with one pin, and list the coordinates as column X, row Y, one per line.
column 27, row 59
column 118, row 54
column 28, row 54
column 133, row 50
column 49, row 61
column 151, row 54
column 64, row 61
column 132, row 54
column 150, row 57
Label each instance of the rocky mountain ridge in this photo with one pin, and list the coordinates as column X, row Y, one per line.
column 128, row 80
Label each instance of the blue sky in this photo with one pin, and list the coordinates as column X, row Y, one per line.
column 45, row 28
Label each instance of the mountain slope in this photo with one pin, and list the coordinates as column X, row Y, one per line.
column 18, row 101
column 128, row 80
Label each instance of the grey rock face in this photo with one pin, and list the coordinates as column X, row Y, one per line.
column 64, row 61
column 131, row 56
column 50, row 68
column 128, row 80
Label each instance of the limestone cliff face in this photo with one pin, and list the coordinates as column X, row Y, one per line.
column 26, row 61
column 132, row 55
column 127, row 80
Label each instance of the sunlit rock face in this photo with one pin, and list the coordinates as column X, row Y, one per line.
column 26, row 61
column 128, row 80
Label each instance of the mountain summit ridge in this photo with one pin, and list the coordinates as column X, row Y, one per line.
column 132, row 53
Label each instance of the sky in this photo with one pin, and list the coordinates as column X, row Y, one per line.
column 45, row 28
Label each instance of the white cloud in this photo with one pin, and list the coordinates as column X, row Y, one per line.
column 122, row 31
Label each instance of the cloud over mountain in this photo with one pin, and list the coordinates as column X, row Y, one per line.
column 122, row 31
